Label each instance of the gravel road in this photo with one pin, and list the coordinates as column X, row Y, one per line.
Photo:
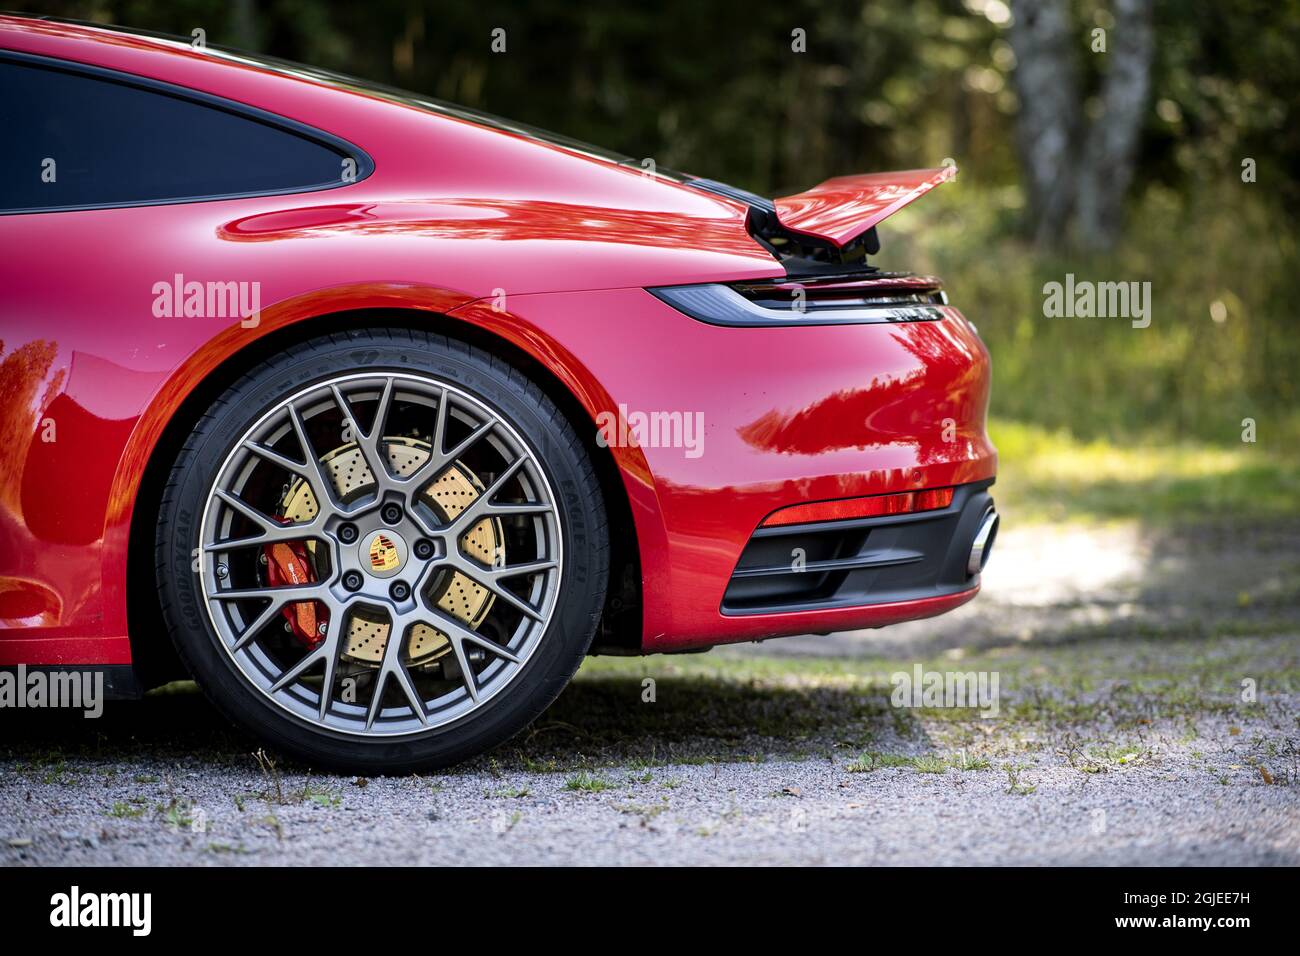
column 1123, row 739
column 781, row 812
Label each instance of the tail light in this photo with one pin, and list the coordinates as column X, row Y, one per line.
column 877, row 297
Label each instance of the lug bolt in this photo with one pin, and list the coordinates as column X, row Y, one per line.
column 400, row 591
column 352, row 580
column 347, row 533
column 391, row 514
column 424, row 549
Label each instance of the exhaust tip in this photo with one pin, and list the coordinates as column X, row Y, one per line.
column 982, row 546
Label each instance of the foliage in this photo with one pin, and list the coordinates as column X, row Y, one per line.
column 717, row 90
column 1229, row 254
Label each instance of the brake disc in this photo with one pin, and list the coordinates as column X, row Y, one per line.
column 455, row 489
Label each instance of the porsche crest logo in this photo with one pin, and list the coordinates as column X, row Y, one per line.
column 383, row 554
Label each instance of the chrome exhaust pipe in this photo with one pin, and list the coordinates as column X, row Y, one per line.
column 982, row 546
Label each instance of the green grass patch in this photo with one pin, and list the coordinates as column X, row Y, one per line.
column 320, row 796
column 132, row 810
column 873, row 760
column 1050, row 475
column 585, row 782
column 1221, row 336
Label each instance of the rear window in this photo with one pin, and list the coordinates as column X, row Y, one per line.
column 405, row 97
column 77, row 140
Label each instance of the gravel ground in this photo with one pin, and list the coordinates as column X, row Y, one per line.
column 781, row 812
column 1119, row 742
column 1068, row 583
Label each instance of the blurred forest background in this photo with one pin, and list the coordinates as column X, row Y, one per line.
column 1118, row 140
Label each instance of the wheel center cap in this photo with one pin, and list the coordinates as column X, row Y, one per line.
column 383, row 553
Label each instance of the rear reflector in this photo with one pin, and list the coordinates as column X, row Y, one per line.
column 846, row 508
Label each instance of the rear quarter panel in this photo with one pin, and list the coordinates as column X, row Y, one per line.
column 788, row 414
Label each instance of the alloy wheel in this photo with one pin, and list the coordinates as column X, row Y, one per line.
column 380, row 554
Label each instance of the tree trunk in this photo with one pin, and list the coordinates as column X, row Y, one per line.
column 1047, row 85
column 1111, row 146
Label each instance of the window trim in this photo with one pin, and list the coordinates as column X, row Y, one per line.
column 344, row 148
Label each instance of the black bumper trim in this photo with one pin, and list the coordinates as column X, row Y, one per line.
column 860, row 562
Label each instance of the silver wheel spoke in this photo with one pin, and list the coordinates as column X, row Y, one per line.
column 412, row 695
column 438, row 440
column 373, row 458
column 376, row 696
column 391, row 666
column 438, row 459
column 273, row 456
column 263, row 521
column 486, row 579
column 478, row 508
column 321, row 486
column 514, row 570
column 262, row 619
column 474, row 437
column 274, row 534
column 284, row 593
column 330, row 653
column 381, row 678
column 458, row 633
column 304, row 665
column 519, row 508
column 466, row 672
column 327, row 650
column 373, row 439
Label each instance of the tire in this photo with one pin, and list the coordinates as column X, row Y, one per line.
column 396, row 370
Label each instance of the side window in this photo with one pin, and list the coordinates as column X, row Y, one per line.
column 71, row 139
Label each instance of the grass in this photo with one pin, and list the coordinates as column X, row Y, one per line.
column 718, row 708
column 320, row 796
column 925, row 763
column 177, row 814
column 1095, row 689
column 127, row 811
column 1050, row 475
column 1015, row 783
column 585, row 782
column 1093, row 706
column 1116, row 753
column 1220, row 344
column 872, row 760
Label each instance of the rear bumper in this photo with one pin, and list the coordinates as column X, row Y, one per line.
column 862, row 562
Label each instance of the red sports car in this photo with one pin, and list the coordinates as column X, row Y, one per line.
column 377, row 414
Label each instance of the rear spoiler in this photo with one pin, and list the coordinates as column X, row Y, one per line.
column 831, row 228
column 841, row 210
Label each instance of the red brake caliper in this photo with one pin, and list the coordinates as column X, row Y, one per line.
column 287, row 563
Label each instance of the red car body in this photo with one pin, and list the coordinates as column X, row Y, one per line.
column 459, row 226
